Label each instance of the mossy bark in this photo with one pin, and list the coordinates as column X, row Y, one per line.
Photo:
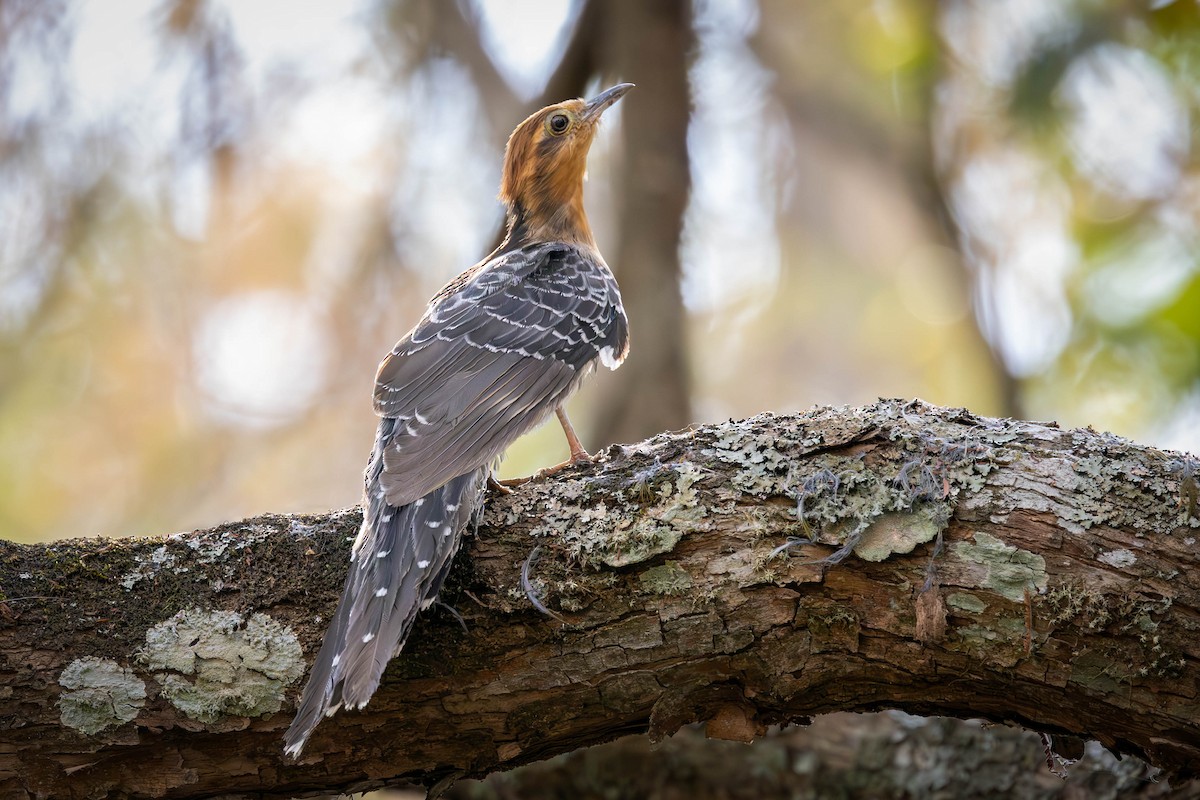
column 954, row 565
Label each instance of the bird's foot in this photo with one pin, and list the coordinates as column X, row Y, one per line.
column 507, row 485
column 577, row 460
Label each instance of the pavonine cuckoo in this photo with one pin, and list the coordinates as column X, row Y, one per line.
column 499, row 349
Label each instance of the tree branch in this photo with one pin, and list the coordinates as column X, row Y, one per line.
column 847, row 756
column 986, row 568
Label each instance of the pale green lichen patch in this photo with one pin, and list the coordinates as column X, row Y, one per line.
column 1118, row 558
column 1000, row 642
column 968, row 603
column 100, row 694
column 1123, row 487
column 668, row 579
column 901, row 531
column 218, row 663
column 622, row 535
column 760, row 447
column 631, row 543
column 848, row 500
column 1008, row 570
column 1001, row 630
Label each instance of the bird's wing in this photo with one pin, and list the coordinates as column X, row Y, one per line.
column 493, row 356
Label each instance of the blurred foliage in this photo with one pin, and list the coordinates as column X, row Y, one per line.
column 216, row 217
column 1087, row 113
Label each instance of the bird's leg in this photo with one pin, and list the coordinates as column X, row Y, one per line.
column 578, row 454
column 578, row 457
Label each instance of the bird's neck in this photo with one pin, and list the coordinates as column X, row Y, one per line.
column 547, row 218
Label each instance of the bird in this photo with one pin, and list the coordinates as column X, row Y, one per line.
column 499, row 349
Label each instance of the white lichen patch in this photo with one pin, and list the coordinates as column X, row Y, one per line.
column 160, row 558
column 208, row 548
column 993, row 564
column 218, row 663
column 900, row 532
column 211, row 546
column 301, row 529
column 100, row 694
column 1118, row 558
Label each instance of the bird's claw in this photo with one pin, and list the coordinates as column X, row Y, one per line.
column 505, row 486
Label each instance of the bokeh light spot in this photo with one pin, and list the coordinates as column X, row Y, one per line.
column 260, row 357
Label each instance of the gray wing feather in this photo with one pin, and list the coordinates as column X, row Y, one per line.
column 504, row 401
column 491, row 360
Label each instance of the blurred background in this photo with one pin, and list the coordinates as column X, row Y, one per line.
column 216, row 217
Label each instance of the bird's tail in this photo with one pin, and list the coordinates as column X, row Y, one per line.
column 398, row 564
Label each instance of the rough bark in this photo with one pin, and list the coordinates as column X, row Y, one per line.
column 1004, row 570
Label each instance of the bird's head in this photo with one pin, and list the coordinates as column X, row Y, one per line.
column 545, row 162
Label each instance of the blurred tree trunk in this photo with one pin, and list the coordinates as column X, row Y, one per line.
column 649, row 44
column 929, row 188
column 972, row 567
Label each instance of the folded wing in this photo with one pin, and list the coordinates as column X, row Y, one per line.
column 493, row 356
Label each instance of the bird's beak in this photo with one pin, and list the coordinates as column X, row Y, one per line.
column 596, row 106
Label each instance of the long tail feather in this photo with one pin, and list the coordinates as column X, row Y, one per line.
column 398, row 563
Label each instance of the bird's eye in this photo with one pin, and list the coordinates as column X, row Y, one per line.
column 559, row 123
